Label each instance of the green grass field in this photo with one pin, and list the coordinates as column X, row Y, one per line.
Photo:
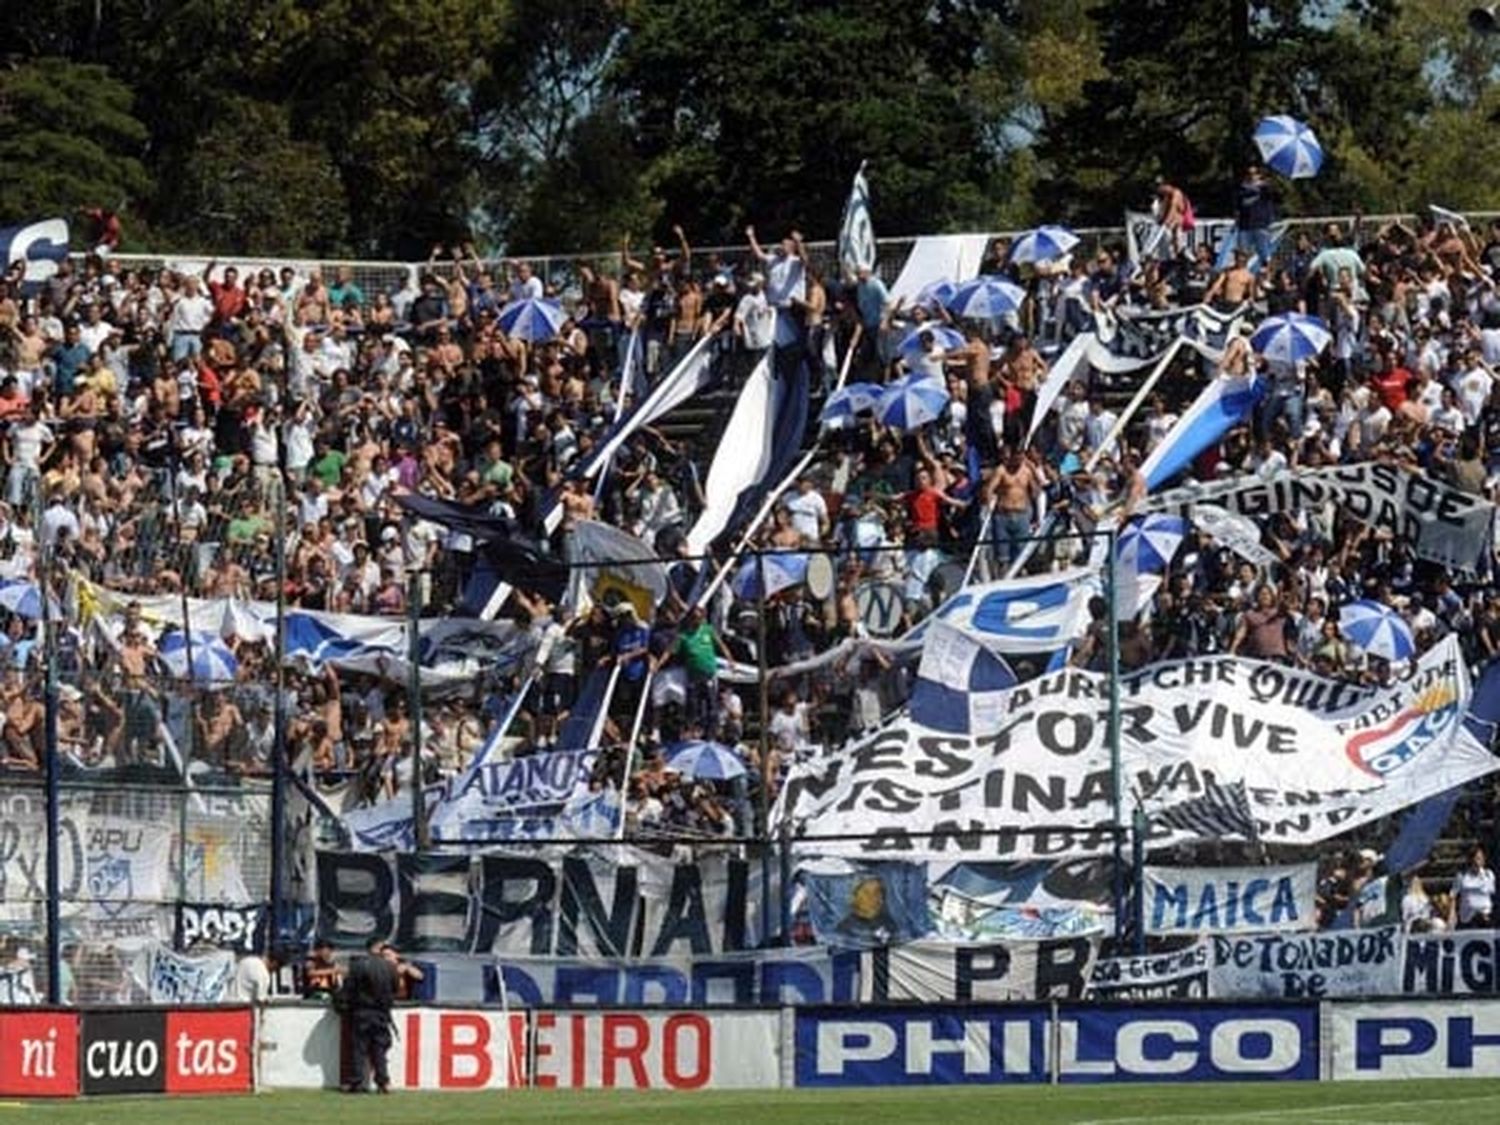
column 1390, row 1103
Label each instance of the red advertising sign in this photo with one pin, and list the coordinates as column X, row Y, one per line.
column 441, row 1049
column 209, row 1052
column 655, row 1050
column 39, row 1054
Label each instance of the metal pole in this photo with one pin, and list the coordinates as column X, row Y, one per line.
column 1112, row 735
column 279, row 763
column 54, row 775
column 414, row 708
column 1138, row 860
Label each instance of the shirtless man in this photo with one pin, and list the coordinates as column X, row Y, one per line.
column 1234, row 286
column 20, row 738
column 1012, row 487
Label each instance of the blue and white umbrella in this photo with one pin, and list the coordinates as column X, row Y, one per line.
column 943, row 336
column 1290, row 337
column 841, row 407
column 1378, row 629
column 1288, row 146
column 1045, row 244
column 1146, row 545
column 531, row 319
column 783, row 571
column 910, row 403
column 704, row 761
column 935, row 293
column 212, row 660
column 985, row 298
column 24, row 599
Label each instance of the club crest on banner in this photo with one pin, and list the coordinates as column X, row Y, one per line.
column 1392, row 745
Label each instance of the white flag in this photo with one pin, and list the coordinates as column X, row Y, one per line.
column 857, row 235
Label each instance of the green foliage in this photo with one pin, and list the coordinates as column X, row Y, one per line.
column 373, row 128
column 67, row 140
column 263, row 192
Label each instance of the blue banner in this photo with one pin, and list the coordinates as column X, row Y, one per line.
column 1179, row 1043
column 920, row 1047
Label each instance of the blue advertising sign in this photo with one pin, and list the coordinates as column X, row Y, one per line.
column 1178, row 1043
column 920, row 1047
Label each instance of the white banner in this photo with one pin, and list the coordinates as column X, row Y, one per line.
column 1293, row 966
column 1238, row 533
column 1144, row 236
column 1208, row 900
column 172, row 978
column 1310, row 758
column 743, row 457
column 1182, row 973
column 1441, row 522
column 657, row 1050
column 1415, row 1039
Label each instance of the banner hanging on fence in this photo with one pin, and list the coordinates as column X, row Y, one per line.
column 1179, row 974
column 1440, row 521
column 1209, row 900
column 1308, row 758
column 174, row 978
column 1349, row 963
column 573, row 906
column 878, row 904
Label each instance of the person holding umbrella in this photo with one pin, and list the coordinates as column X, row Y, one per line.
column 1255, row 213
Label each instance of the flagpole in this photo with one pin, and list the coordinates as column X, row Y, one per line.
column 1112, row 732
column 54, row 771
column 1135, row 404
column 635, row 734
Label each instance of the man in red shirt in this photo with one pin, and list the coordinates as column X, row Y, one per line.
column 228, row 296
column 1390, row 381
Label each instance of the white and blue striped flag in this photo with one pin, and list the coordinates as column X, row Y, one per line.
column 857, row 233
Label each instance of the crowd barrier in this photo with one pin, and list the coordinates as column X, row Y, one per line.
column 55, row 1053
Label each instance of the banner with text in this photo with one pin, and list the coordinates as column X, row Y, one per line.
column 1207, row 900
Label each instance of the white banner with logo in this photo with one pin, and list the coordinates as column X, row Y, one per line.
column 1309, row 758
column 1218, row 900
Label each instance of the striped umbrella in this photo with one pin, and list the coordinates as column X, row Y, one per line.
column 985, row 298
column 212, row 660
column 699, row 760
column 1147, row 543
column 24, row 599
column 910, row 403
column 1291, row 337
column 531, row 319
column 942, row 336
column 841, row 407
column 783, row 571
column 1045, row 244
column 1378, row 629
column 936, row 293
column 1288, row 146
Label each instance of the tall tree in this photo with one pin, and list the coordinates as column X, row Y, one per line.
column 762, row 111
column 1183, row 82
column 68, row 139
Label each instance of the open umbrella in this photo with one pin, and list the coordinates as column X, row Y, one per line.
column 1291, row 337
column 212, row 660
column 1289, row 147
column 704, row 761
column 1045, row 244
column 943, row 336
column 840, row 408
column 985, row 298
column 936, row 292
column 910, row 403
column 531, row 319
column 1378, row 629
column 24, row 599
column 782, row 573
column 1146, row 544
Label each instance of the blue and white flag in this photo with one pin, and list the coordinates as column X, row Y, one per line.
column 959, row 681
column 1036, row 614
column 857, row 233
column 878, row 904
column 1226, row 402
column 41, row 245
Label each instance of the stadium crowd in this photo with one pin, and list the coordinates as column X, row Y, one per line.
column 156, row 423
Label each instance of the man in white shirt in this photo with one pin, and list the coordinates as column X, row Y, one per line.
column 754, row 319
column 190, row 315
column 809, row 511
column 525, row 284
column 29, row 443
column 94, row 330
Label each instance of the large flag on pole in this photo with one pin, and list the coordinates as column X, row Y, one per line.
column 1226, row 402
column 857, row 234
